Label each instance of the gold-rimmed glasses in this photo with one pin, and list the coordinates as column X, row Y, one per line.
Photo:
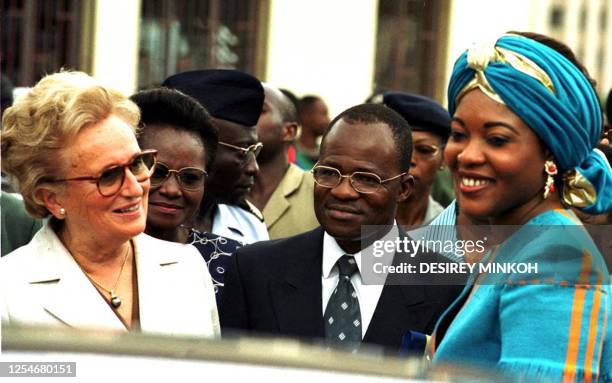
column 362, row 182
column 245, row 154
column 111, row 179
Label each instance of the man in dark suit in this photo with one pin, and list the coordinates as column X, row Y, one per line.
column 290, row 287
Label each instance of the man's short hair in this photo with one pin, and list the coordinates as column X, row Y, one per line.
column 377, row 113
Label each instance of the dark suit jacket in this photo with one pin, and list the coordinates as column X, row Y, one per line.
column 274, row 287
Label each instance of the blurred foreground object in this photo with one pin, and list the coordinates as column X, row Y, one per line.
column 134, row 355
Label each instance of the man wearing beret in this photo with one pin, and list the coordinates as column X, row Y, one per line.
column 430, row 124
column 430, row 130
column 235, row 101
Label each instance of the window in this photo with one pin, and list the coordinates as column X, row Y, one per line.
column 603, row 18
column 583, row 17
column 557, row 14
column 411, row 46
column 40, row 37
column 181, row 35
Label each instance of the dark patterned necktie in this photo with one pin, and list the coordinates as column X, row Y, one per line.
column 342, row 315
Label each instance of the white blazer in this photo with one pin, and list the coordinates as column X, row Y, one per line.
column 41, row 284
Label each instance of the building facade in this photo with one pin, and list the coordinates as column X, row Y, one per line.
column 342, row 50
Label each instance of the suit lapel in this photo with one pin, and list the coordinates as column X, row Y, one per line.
column 65, row 292
column 399, row 309
column 276, row 207
column 156, row 273
column 278, row 203
column 297, row 296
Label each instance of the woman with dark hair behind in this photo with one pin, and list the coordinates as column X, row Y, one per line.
column 181, row 131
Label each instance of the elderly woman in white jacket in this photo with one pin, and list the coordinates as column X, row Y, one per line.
column 70, row 144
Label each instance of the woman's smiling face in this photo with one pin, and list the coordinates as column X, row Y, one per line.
column 497, row 161
column 170, row 205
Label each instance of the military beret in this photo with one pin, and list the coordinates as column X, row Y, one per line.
column 226, row 93
column 422, row 113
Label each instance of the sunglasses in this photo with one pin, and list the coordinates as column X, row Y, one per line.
column 245, row 154
column 188, row 178
column 111, row 179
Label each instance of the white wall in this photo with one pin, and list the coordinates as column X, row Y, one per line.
column 115, row 49
column 323, row 47
column 477, row 20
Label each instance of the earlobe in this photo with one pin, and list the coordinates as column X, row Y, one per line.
column 51, row 201
column 406, row 187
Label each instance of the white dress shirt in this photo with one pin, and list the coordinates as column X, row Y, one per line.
column 368, row 295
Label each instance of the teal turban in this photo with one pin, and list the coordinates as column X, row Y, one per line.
column 554, row 98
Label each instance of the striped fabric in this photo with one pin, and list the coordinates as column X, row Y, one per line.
column 552, row 326
column 442, row 228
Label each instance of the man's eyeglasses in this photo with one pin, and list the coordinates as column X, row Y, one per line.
column 188, row 178
column 425, row 151
column 111, row 179
column 245, row 154
column 362, row 182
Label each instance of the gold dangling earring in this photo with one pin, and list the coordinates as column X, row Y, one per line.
column 551, row 169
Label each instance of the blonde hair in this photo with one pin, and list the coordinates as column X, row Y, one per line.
column 44, row 121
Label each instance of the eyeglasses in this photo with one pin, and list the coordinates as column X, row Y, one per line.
column 426, row 152
column 188, row 178
column 111, row 179
column 362, row 182
column 245, row 154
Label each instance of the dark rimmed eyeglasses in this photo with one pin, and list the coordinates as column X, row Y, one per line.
column 111, row 179
column 188, row 178
column 245, row 154
column 362, row 182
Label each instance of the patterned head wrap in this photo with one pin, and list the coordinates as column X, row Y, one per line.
column 554, row 98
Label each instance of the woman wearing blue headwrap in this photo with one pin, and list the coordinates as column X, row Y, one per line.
column 525, row 122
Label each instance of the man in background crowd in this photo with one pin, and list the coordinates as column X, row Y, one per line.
column 314, row 118
column 282, row 191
